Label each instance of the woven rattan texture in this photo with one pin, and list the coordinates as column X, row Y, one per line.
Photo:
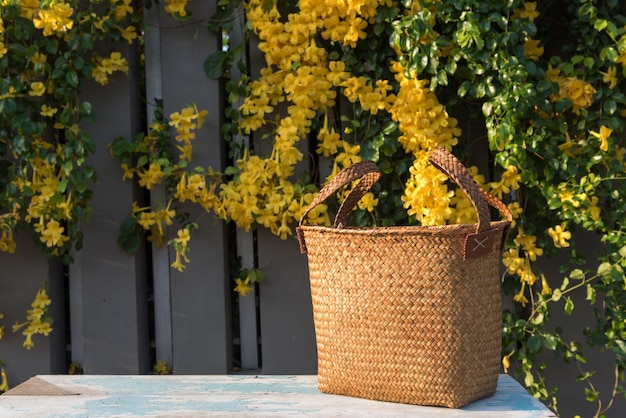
column 400, row 317
column 407, row 314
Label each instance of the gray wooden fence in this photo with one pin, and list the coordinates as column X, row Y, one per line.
column 117, row 313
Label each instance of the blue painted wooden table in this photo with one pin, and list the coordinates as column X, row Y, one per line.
column 244, row 395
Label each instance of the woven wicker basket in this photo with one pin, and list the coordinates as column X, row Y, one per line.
column 407, row 314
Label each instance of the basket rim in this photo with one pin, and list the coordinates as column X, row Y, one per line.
column 452, row 229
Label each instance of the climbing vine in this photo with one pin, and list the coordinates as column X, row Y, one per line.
column 538, row 84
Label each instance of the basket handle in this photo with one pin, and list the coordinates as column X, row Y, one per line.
column 443, row 160
column 448, row 164
column 369, row 174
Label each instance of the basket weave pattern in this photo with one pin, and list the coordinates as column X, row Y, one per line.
column 403, row 314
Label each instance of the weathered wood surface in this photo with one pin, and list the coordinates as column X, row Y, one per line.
column 244, row 395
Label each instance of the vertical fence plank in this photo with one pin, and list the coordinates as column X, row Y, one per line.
column 287, row 333
column 248, row 333
column 160, row 255
column 200, row 295
column 21, row 276
column 109, row 321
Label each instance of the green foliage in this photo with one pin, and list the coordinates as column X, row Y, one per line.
column 542, row 83
column 559, row 118
column 47, row 52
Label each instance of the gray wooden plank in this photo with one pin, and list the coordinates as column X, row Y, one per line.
column 108, row 305
column 21, row 276
column 200, row 295
column 287, row 332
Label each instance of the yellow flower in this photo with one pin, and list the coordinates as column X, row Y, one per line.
column 38, row 58
column 28, row 342
column 152, row 176
column 122, row 8
column 146, row 220
column 560, row 236
column 609, row 76
column 128, row 172
column 516, row 209
column 545, row 287
column 368, row 202
column 593, row 209
column 527, row 243
column 506, row 363
column 520, row 298
column 176, row 7
column 6, row 241
column 28, row 8
column 622, row 58
column 4, row 385
column 41, row 299
column 178, row 264
column 243, row 287
column 603, row 136
column 532, row 50
column 528, row 12
column 183, row 236
column 579, row 92
column 115, row 62
column 48, row 111
column 129, row 33
column 37, row 89
column 161, row 368
column 55, row 20
column 52, row 234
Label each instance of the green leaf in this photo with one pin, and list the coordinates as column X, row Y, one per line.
column 577, row 274
column 464, row 88
column 591, row 294
column 129, row 239
column 600, row 24
column 215, row 65
column 537, row 319
column 619, row 349
column 604, row 268
column 534, row 344
column 556, row 295
column 256, row 276
column 569, row 306
column 591, row 395
column 141, row 161
column 550, row 341
column 72, row 78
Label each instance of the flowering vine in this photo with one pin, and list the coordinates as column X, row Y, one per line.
column 342, row 81
column 380, row 80
column 47, row 53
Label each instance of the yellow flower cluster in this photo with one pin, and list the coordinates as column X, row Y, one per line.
column 48, row 207
column 578, row 91
column 4, row 383
column 176, row 7
column 7, row 244
column 424, row 124
column 36, row 322
column 162, row 368
column 243, row 286
column 54, row 19
column 105, row 66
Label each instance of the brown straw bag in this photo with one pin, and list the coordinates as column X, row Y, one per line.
column 407, row 314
